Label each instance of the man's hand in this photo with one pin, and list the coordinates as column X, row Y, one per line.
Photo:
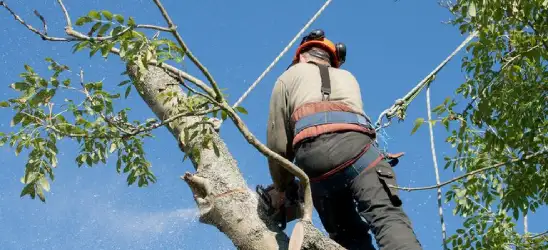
column 278, row 199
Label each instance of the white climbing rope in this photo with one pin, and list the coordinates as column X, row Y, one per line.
column 403, row 102
column 246, row 93
column 436, row 169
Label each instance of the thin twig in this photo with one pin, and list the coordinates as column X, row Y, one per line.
column 539, row 234
column 168, row 120
column 436, row 170
column 153, row 27
column 498, row 165
column 218, row 95
column 389, row 112
column 300, row 33
column 43, row 21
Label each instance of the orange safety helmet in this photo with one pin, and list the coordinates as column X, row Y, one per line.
column 316, row 38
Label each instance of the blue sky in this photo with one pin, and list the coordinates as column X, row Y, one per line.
column 391, row 46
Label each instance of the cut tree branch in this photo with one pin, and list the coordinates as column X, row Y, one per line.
column 498, row 165
column 188, row 53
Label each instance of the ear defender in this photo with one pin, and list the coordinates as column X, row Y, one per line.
column 341, row 52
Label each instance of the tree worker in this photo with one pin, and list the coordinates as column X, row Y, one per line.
column 316, row 119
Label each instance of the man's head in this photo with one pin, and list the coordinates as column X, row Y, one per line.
column 316, row 54
column 315, row 47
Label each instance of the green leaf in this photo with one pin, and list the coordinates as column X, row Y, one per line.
column 94, row 28
column 131, row 22
column 104, row 29
column 105, row 50
column 29, row 68
column 216, row 149
column 119, row 18
column 94, row 14
column 112, row 147
column 16, row 119
column 4, row 104
column 44, row 183
column 20, row 86
column 241, row 110
column 118, row 164
column 28, row 189
column 41, row 194
column 83, row 20
column 124, row 82
column 418, row 123
column 128, row 89
column 472, row 9
column 223, row 115
column 107, row 14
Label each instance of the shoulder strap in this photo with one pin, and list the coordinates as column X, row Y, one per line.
column 326, row 81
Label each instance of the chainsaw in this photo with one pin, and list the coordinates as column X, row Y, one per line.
column 292, row 208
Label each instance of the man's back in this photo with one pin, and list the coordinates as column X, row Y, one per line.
column 303, row 85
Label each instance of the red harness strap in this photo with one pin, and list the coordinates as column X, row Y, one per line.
column 342, row 166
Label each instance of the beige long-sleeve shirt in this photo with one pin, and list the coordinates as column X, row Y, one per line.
column 301, row 84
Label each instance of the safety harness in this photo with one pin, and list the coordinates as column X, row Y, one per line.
column 337, row 118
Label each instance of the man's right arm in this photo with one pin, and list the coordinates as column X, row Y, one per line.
column 278, row 136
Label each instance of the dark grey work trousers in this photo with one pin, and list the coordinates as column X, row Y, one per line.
column 357, row 193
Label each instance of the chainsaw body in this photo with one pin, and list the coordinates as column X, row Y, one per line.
column 292, row 208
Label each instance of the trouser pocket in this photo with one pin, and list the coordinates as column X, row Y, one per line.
column 387, row 177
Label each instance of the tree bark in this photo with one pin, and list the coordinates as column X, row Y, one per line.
column 220, row 191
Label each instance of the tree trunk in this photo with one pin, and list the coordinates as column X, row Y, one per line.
column 220, row 191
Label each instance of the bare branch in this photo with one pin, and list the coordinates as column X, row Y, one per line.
column 42, row 35
column 498, row 165
column 64, row 9
column 218, row 95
